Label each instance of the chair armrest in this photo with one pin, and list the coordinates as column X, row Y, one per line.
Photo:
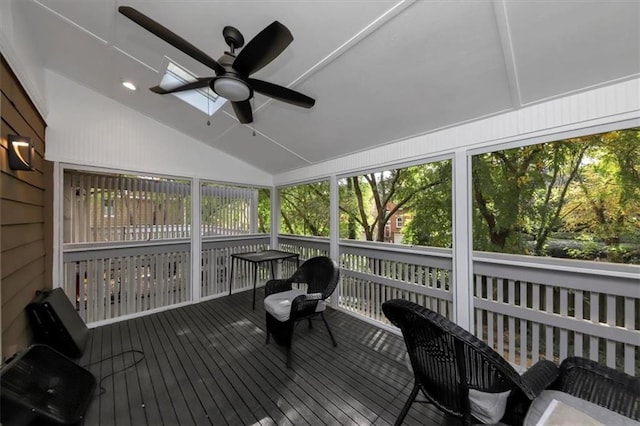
column 305, row 304
column 540, row 376
column 602, row 385
column 276, row 286
column 536, row 379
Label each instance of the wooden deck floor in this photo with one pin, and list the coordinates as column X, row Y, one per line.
column 208, row 364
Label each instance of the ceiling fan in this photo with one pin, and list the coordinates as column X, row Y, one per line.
column 231, row 80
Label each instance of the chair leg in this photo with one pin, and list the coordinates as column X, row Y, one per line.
column 267, row 326
column 310, row 324
column 289, row 343
column 407, row 405
column 328, row 329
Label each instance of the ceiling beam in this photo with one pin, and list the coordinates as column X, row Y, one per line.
column 502, row 22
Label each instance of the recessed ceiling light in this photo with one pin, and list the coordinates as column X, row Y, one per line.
column 129, row 85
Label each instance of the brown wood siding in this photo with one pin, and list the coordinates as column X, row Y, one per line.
column 26, row 214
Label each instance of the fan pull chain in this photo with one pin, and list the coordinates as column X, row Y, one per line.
column 253, row 108
column 208, row 110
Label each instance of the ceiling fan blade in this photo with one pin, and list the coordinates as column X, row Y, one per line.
column 263, row 48
column 199, row 83
column 281, row 93
column 170, row 37
column 243, row 111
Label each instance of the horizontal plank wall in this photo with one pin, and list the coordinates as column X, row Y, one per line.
column 91, row 130
column 26, row 240
column 576, row 114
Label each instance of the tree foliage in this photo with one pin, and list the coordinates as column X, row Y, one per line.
column 304, row 209
column 370, row 200
column 264, row 210
column 432, row 209
column 577, row 197
column 605, row 198
column 583, row 188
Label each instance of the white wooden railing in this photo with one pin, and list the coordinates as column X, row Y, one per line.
column 306, row 247
column 127, row 277
column 216, row 266
column 529, row 308
column 525, row 307
column 373, row 274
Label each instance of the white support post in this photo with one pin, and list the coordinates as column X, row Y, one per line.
column 253, row 220
column 275, row 217
column 57, row 277
column 462, row 241
column 196, row 241
column 334, row 229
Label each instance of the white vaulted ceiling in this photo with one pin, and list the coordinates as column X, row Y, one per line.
column 380, row 71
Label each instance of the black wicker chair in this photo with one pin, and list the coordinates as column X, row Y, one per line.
column 285, row 306
column 601, row 385
column 459, row 373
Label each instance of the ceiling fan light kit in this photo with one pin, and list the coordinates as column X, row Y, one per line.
column 231, row 80
column 232, row 89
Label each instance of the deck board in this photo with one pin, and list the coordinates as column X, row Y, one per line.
column 208, row 364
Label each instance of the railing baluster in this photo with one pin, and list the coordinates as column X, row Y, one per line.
column 563, row 310
column 523, row 326
column 594, row 315
column 549, row 330
column 611, row 320
column 511, row 322
column 578, row 307
column 535, row 327
column 479, row 323
column 629, row 350
column 500, row 320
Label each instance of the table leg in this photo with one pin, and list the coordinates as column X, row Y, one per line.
column 255, row 279
column 231, row 276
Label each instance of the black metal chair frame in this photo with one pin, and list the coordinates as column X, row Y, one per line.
column 448, row 361
column 321, row 275
column 601, row 385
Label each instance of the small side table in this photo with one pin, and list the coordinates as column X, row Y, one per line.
column 255, row 258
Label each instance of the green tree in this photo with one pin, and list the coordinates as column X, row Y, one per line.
column 304, row 209
column 432, row 209
column 562, row 162
column 605, row 197
column 501, row 184
column 519, row 194
column 586, row 188
column 264, row 210
column 370, row 200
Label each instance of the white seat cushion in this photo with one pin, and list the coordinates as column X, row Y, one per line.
column 486, row 407
column 489, row 407
column 279, row 304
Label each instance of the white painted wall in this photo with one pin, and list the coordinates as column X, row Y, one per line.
column 19, row 49
column 581, row 113
column 89, row 129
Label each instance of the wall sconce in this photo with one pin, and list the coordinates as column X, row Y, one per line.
column 20, row 153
